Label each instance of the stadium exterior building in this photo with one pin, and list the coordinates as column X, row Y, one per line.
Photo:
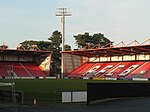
column 24, row 63
column 119, row 62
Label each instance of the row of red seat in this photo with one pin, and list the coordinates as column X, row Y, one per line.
column 137, row 69
column 4, row 67
column 21, row 69
column 34, row 70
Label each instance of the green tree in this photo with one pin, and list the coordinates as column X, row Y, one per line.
column 99, row 40
column 56, row 39
column 85, row 41
column 82, row 40
column 67, row 47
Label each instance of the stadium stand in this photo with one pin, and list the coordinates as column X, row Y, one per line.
column 20, row 71
column 116, row 62
column 34, row 70
column 78, row 72
column 142, row 72
column 4, row 67
column 124, row 69
column 24, row 64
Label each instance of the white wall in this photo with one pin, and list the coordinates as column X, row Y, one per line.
column 74, row 96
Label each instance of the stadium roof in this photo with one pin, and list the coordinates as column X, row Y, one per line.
column 114, row 50
column 27, row 52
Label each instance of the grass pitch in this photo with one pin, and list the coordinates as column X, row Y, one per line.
column 49, row 90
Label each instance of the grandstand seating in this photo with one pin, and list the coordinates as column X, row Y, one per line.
column 106, row 67
column 132, row 69
column 90, row 72
column 4, row 67
column 21, row 69
column 138, row 69
column 98, row 69
column 78, row 72
column 124, row 68
column 34, row 70
column 142, row 72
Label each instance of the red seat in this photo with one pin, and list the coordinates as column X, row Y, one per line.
column 34, row 70
column 112, row 69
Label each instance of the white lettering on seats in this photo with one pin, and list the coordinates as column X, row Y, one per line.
column 105, row 69
column 111, row 72
column 128, row 70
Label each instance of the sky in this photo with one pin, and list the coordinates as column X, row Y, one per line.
column 118, row 20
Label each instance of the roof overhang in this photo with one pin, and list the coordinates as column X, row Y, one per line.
column 113, row 51
column 22, row 52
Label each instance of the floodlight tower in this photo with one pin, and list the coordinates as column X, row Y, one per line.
column 63, row 12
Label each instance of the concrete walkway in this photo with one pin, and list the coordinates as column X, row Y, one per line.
column 121, row 105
